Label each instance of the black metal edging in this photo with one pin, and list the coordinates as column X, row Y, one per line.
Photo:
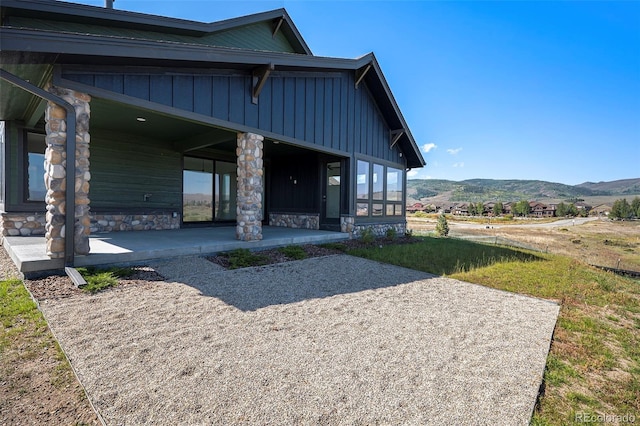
column 70, row 196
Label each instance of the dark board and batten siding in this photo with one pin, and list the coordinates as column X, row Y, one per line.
column 327, row 111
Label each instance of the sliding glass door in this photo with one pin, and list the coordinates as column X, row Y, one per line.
column 209, row 190
column 226, row 190
column 197, row 190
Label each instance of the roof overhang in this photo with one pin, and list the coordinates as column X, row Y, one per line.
column 72, row 12
column 28, row 46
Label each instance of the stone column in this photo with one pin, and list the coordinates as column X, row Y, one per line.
column 55, row 165
column 250, row 189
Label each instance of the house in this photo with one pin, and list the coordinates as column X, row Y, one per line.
column 181, row 123
column 415, row 207
column 460, row 209
column 541, row 210
column 600, row 210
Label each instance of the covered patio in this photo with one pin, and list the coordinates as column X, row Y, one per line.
column 29, row 254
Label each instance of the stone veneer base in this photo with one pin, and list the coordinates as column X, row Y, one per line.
column 295, row 220
column 33, row 224
column 347, row 224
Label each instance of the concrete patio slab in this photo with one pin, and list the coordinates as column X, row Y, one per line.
column 29, row 253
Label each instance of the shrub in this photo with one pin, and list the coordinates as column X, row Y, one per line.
column 293, row 252
column 391, row 233
column 368, row 236
column 243, row 258
column 420, row 214
column 101, row 279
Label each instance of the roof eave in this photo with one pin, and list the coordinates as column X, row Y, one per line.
column 47, row 42
column 122, row 18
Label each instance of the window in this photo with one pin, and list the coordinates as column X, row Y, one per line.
column 378, row 180
column 394, row 191
column 35, row 187
column 362, row 180
column 379, row 190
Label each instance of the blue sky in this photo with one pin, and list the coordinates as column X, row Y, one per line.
column 544, row 90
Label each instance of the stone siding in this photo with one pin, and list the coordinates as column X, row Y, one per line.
column 250, row 187
column 295, row 220
column 55, row 165
column 22, row 224
column 133, row 222
column 347, row 224
column 379, row 229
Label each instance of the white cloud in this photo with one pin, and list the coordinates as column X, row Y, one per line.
column 412, row 173
column 460, row 165
column 454, row 151
column 428, row 147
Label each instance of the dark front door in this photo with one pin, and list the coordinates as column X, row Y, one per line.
column 331, row 195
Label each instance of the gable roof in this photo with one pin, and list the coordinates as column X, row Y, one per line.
column 18, row 44
column 155, row 27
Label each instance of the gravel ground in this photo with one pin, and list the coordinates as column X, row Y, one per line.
column 329, row 340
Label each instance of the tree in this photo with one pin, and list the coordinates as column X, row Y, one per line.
column 572, row 210
column 442, row 227
column 621, row 209
column 521, row 208
column 635, row 207
column 561, row 210
column 471, row 208
column 479, row 208
column 498, row 208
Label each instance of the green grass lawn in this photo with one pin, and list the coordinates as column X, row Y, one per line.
column 594, row 364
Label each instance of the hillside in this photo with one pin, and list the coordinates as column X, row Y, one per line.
column 435, row 190
column 616, row 187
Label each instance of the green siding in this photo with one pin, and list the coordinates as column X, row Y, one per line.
column 125, row 167
column 256, row 36
column 13, row 163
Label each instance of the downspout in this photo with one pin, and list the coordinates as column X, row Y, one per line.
column 70, row 195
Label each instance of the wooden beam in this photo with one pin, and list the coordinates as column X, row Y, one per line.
column 277, row 27
column 395, row 136
column 360, row 73
column 260, row 76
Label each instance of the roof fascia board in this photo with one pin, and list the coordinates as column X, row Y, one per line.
column 122, row 18
column 105, row 14
column 14, row 39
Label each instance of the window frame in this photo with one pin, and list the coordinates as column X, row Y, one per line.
column 377, row 209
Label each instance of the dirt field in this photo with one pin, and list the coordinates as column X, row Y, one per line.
column 600, row 242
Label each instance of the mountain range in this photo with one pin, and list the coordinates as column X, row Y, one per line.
column 439, row 190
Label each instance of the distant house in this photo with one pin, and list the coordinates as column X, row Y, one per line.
column 415, row 207
column 461, row 209
column 181, row 124
column 541, row 210
column 506, row 208
column 600, row 210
